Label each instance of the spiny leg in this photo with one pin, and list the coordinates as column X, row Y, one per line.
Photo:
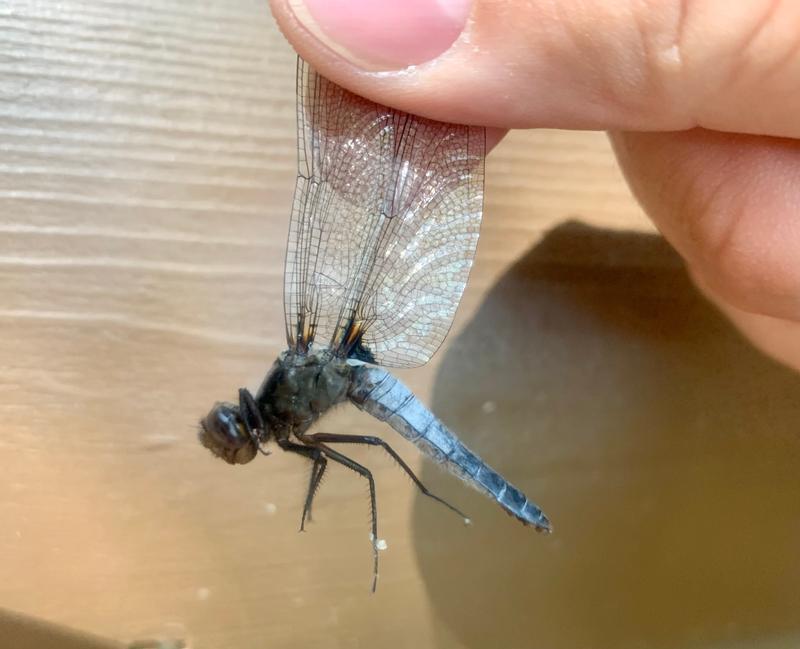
column 317, row 470
column 377, row 441
column 365, row 472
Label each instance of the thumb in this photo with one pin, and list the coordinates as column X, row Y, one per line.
column 593, row 64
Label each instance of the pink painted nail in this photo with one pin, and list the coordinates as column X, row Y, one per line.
column 390, row 34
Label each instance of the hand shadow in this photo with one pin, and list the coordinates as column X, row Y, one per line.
column 664, row 448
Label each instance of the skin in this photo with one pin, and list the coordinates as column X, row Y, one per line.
column 701, row 99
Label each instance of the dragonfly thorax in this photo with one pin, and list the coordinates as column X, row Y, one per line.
column 299, row 389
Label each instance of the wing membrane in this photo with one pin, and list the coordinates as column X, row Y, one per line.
column 385, row 221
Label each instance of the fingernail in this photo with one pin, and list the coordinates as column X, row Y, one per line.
column 389, row 34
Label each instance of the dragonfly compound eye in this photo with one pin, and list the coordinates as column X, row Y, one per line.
column 223, row 433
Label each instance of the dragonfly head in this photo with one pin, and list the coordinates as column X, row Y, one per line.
column 224, row 434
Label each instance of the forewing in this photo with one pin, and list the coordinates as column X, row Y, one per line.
column 385, row 221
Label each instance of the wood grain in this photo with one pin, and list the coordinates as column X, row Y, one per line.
column 147, row 165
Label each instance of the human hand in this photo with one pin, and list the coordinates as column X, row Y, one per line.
column 702, row 99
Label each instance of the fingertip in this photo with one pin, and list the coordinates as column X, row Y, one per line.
column 401, row 90
column 431, row 90
column 514, row 66
column 384, row 34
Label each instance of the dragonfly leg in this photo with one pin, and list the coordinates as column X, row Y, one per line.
column 317, row 471
column 377, row 441
column 249, row 411
column 366, row 473
column 251, row 416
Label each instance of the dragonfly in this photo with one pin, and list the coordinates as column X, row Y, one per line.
column 384, row 226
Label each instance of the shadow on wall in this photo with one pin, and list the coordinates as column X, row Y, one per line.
column 18, row 631
column 665, row 450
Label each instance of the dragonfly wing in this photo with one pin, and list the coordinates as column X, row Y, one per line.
column 385, row 222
